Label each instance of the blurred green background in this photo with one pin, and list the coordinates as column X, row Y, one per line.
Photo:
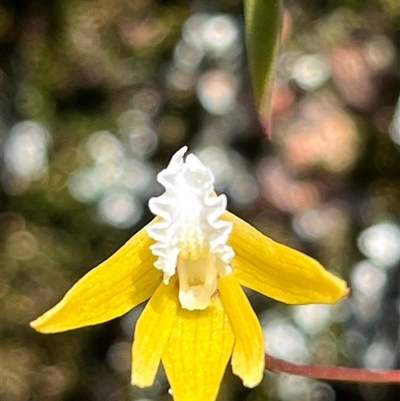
column 97, row 95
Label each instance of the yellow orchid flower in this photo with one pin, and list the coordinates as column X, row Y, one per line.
column 190, row 262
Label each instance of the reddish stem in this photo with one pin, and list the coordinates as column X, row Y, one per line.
column 332, row 372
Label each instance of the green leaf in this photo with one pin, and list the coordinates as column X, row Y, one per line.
column 262, row 19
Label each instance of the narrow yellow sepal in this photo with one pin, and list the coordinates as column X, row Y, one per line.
column 197, row 352
column 248, row 359
column 152, row 331
column 111, row 289
column 278, row 271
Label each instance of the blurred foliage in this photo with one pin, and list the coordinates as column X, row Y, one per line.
column 262, row 29
column 96, row 96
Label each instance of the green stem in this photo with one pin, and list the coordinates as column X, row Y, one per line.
column 333, row 372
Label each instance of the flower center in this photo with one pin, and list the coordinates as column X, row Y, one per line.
column 191, row 240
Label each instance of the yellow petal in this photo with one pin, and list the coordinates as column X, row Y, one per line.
column 278, row 271
column 111, row 289
column 197, row 352
column 152, row 331
column 248, row 359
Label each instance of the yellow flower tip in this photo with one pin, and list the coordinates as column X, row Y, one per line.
column 46, row 325
column 338, row 291
column 40, row 326
column 33, row 324
column 253, row 373
column 255, row 382
column 140, row 381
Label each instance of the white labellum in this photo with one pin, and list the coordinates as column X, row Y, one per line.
column 191, row 240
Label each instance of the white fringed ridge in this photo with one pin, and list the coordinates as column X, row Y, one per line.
column 191, row 239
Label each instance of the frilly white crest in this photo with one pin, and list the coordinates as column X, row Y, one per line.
column 190, row 236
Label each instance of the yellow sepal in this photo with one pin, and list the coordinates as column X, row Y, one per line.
column 109, row 290
column 248, row 359
column 152, row 331
column 278, row 271
column 197, row 352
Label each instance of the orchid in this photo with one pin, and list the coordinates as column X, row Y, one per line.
column 191, row 262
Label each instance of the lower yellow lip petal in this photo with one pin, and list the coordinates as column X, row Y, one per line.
column 197, row 352
column 111, row 289
column 152, row 331
column 248, row 352
column 278, row 271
